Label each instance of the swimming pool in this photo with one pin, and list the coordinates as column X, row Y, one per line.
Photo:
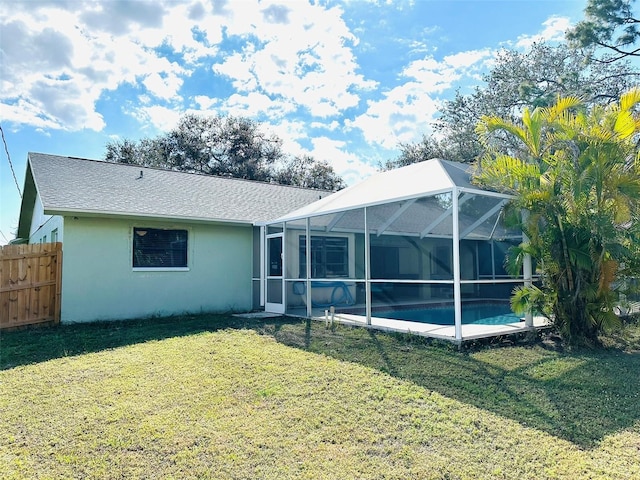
column 478, row 314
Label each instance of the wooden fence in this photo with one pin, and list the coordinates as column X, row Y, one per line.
column 30, row 284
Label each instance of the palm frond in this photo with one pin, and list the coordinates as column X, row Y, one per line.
column 490, row 124
column 608, row 270
column 527, row 299
column 630, row 99
column 625, row 124
column 506, row 173
column 561, row 107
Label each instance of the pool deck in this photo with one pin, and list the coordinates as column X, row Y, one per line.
column 442, row 332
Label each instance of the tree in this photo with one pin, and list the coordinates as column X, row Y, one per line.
column 577, row 174
column 305, row 171
column 608, row 24
column 122, row 151
column 224, row 146
column 518, row 80
column 410, row 153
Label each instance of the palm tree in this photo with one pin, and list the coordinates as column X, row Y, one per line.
column 577, row 174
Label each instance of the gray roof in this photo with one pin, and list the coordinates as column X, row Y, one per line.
column 69, row 185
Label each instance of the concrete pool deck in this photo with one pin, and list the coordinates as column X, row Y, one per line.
column 442, row 332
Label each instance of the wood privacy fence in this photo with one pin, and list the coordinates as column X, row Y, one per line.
column 30, row 284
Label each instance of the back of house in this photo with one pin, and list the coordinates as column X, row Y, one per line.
column 141, row 242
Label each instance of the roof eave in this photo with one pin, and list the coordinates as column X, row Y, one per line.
column 72, row 212
column 29, row 195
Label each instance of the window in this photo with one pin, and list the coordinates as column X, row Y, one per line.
column 54, row 235
column 158, row 248
column 329, row 257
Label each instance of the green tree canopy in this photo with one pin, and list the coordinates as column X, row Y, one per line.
column 225, row 146
column 608, row 24
column 577, row 174
column 517, row 80
column 214, row 145
column 305, row 171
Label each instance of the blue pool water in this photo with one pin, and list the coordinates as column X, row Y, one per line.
column 479, row 314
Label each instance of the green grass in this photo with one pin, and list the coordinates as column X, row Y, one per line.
column 218, row 397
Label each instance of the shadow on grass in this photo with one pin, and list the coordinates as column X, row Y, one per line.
column 33, row 345
column 580, row 396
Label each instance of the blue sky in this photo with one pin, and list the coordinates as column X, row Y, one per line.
column 343, row 81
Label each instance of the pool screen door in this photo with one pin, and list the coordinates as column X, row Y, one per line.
column 275, row 274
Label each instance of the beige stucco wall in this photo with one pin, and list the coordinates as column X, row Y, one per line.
column 99, row 283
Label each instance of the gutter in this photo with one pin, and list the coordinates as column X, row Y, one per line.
column 68, row 212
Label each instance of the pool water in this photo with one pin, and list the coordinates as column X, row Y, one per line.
column 479, row 314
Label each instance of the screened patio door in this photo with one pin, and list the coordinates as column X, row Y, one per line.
column 275, row 273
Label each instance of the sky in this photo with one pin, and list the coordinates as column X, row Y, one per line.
column 344, row 81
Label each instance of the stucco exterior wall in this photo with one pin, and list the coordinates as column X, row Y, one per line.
column 99, row 282
column 43, row 226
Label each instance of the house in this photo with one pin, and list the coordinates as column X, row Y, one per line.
column 140, row 242
column 418, row 249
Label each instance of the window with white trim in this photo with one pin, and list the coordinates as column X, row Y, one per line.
column 159, row 248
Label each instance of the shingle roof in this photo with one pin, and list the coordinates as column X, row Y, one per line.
column 67, row 185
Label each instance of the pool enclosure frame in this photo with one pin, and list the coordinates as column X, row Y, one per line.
column 418, row 236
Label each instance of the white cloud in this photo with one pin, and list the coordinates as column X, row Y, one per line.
column 402, row 117
column 468, row 59
column 299, row 53
column 407, row 111
column 63, row 57
column 53, row 96
column 256, row 104
column 118, row 18
column 22, row 112
column 239, row 71
column 159, row 117
column 331, row 126
column 434, row 77
column 165, row 87
column 206, row 103
column 346, row 164
column 291, row 132
column 554, row 30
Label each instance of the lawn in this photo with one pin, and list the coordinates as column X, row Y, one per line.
column 219, row 397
